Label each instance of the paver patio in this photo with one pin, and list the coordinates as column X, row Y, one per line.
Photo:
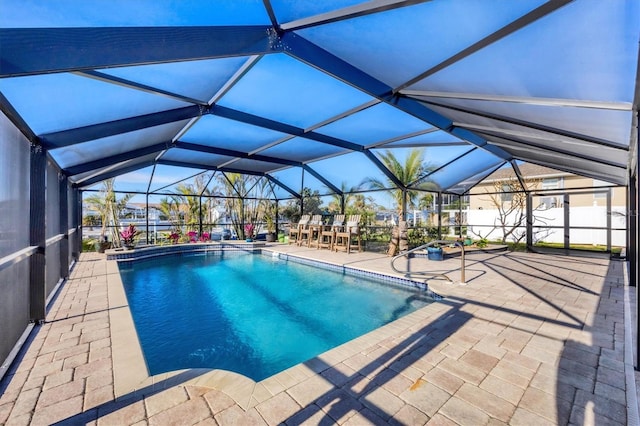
column 531, row 339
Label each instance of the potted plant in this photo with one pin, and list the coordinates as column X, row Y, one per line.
column 128, row 235
column 482, row 243
column 248, row 232
column 271, row 226
column 270, row 221
column 435, row 252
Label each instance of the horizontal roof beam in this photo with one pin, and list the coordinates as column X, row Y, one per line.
column 84, row 183
column 123, row 82
column 561, row 165
column 349, row 12
column 185, row 164
column 30, row 51
column 237, row 154
column 110, row 128
column 115, row 159
column 507, row 142
column 553, row 102
column 255, row 120
column 530, row 125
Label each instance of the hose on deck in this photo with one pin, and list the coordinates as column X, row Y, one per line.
column 409, row 273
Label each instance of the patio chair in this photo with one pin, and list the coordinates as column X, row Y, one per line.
column 349, row 236
column 294, row 231
column 328, row 232
column 310, row 232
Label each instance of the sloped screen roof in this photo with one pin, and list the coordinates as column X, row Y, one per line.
column 286, row 88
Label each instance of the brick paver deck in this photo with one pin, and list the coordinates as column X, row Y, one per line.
column 531, row 339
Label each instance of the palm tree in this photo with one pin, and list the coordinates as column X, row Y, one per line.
column 335, row 205
column 171, row 210
column 246, row 199
column 183, row 206
column 411, row 171
column 109, row 208
column 97, row 203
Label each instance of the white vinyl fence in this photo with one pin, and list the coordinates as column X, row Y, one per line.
column 548, row 225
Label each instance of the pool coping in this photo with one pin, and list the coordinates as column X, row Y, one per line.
column 131, row 376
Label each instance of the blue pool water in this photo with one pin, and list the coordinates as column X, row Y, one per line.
column 252, row 314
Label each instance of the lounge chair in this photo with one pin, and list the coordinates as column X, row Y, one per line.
column 349, row 236
column 294, row 231
column 328, row 232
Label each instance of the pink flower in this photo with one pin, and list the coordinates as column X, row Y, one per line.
column 248, row 230
column 174, row 237
column 193, row 236
column 205, row 236
column 128, row 234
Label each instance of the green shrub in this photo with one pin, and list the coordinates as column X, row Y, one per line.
column 89, row 245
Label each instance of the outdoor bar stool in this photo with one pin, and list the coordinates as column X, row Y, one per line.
column 327, row 235
column 294, row 231
column 349, row 236
column 310, row 231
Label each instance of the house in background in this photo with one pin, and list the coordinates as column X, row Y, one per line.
column 562, row 203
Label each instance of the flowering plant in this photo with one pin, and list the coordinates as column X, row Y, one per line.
column 128, row 234
column 174, row 237
column 193, row 236
column 248, row 230
column 205, row 236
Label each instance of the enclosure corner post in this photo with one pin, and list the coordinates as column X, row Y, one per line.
column 529, row 221
column 37, row 233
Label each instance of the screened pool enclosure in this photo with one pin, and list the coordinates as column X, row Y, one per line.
column 303, row 97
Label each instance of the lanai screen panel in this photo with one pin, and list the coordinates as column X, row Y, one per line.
column 14, row 194
column 400, row 44
column 432, row 137
column 291, row 178
column 56, row 102
column 302, row 150
column 275, row 85
column 135, row 181
column 287, row 91
column 349, row 172
column 511, row 135
column 580, row 51
column 203, row 159
column 166, row 177
column 595, row 120
column 468, row 165
column 374, row 124
column 198, row 80
column 157, row 138
column 79, row 13
column 220, row 132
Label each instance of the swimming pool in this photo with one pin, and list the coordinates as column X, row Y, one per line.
column 252, row 314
